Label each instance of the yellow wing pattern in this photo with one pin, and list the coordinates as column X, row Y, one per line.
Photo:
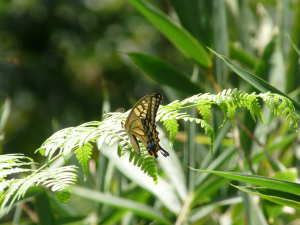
column 140, row 124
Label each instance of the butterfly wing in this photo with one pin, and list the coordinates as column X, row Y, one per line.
column 148, row 135
column 140, row 123
column 145, row 108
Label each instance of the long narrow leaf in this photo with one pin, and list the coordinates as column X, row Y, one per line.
column 219, row 20
column 271, row 183
column 138, row 208
column 192, row 16
column 165, row 74
column 294, row 46
column 163, row 191
column 278, row 197
column 44, row 210
column 172, row 166
column 182, row 39
column 253, row 212
column 257, row 82
column 200, row 212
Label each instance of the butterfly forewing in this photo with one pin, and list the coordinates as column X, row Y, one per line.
column 140, row 123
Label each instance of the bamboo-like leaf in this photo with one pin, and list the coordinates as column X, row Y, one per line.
column 279, row 197
column 182, row 39
column 280, row 185
column 163, row 191
column 252, row 210
column 294, row 46
column 219, row 20
column 5, row 111
column 192, row 15
column 118, row 202
column 257, row 82
column 165, row 74
column 171, row 166
column 202, row 211
column 44, row 210
column 242, row 56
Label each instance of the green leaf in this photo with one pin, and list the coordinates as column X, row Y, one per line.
column 262, row 70
column 217, row 163
column 5, row 111
column 163, row 191
column 182, row 39
column 242, row 56
column 220, row 32
column 278, row 197
column 294, row 46
column 292, row 75
column 256, row 81
column 83, row 154
column 172, row 165
column 44, row 210
column 172, row 126
column 165, row 74
column 253, row 212
column 202, row 211
column 271, row 183
column 205, row 112
column 63, row 196
column 193, row 17
column 143, row 210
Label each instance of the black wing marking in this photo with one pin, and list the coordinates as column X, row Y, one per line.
column 153, row 107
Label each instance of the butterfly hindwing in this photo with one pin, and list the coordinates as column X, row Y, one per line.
column 140, row 124
column 135, row 143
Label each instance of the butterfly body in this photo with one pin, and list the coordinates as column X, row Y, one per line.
column 140, row 124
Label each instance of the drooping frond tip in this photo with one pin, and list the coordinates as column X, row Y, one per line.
column 12, row 190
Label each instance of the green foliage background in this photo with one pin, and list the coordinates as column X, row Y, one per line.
column 63, row 63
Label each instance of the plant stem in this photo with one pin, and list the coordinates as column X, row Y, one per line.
column 47, row 164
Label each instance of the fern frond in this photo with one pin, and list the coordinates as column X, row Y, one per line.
column 255, row 110
column 13, row 158
column 58, row 179
column 282, row 105
column 6, row 172
column 10, row 163
column 146, row 162
column 79, row 139
column 4, row 184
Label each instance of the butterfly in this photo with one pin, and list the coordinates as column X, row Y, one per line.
column 140, row 124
